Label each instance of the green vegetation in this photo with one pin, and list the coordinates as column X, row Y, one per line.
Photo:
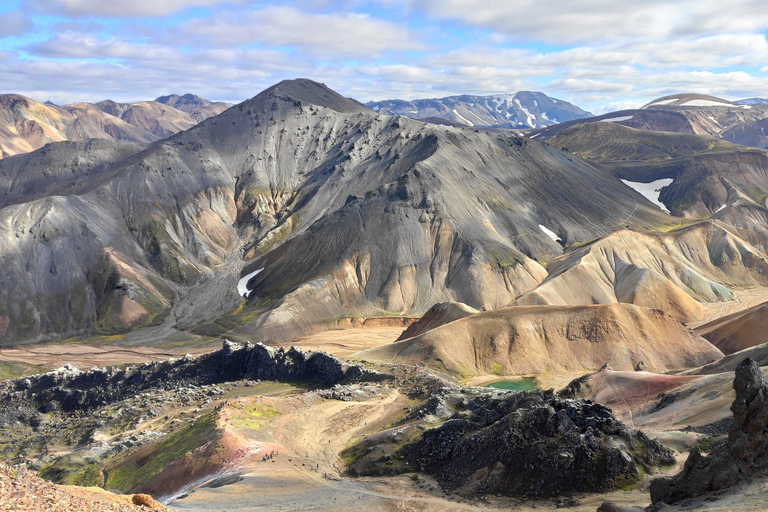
column 501, row 256
column 16, row 369
column 138, row 468
column 254, row 416
column 73, row 470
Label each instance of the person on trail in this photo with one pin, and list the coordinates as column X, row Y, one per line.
column 264, row 457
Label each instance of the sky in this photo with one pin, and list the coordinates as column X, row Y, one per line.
column 602, row 55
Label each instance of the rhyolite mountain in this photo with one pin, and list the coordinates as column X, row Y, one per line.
column 199, row 108
column 521, row 110
column 26, row 125
column 347, row 212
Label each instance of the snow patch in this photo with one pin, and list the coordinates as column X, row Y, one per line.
column 616, row 119
column 726, row 204
column 466, row 121
column 531, row 117
column 651, row 191
column 665, row 102
column 705, row 103
column 376, row 108
column 551, row 234
column 242, row 284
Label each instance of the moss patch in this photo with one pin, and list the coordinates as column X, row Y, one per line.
column 139, row 467
column 16, row 369
column 73, row 470
column 254, row 416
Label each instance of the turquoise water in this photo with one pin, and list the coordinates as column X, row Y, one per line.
column 524, row 384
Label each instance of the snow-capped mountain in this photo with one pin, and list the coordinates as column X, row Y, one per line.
column 523, row 109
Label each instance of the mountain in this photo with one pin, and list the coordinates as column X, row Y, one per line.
column 689, row 100
column 698, row 114
column 26, row 125
column 538, row 339
column 347, row 212
column 753, row 101
column 674, row 271
column 199, row 108
column 520, row 110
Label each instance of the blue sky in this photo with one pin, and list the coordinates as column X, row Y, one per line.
column 600, row 54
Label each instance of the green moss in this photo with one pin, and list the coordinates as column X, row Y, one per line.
column 16, row 369
column 73, row 470
column 254, row 416
column 501, row 256
column 139, row 467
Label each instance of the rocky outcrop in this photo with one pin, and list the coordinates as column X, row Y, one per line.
column 522, row 444
column 744, row 456
column 537, row 445
column 69, row 389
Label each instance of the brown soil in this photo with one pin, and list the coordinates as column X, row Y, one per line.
column 24, row 491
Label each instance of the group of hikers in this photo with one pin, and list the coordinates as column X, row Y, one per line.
column 266, row 457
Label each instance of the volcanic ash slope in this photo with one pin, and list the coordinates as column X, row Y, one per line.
column 673, row 271
column 537, row 339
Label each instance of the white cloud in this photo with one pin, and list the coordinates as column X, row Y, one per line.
column 568, row 21
column 122, row 8
column 336, row 33
column 82, row 46
column 14, row 23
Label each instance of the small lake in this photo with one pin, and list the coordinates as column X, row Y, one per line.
column 523, row 384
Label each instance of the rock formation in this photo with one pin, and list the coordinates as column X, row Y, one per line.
column 69, row 389
column 524, row 444
column 744, row 456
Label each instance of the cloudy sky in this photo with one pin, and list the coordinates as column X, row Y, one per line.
column 600, row 54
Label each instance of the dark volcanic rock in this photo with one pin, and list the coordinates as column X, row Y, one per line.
column 531, row 444
column 70, row 389
column 744, row 456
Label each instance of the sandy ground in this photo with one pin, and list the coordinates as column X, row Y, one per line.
column 86, row 356
column 344, row 342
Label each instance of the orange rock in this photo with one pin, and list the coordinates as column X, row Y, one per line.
column 145, row 500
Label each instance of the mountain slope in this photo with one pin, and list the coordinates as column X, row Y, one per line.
column 739, row 331
column 347, row 212
column 672, row 272
column 520, row 110
column 537, row 339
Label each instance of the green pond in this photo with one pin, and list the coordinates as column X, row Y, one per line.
column 515, row 385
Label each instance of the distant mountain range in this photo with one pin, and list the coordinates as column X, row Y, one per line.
column 520, row 110
column 26, row 125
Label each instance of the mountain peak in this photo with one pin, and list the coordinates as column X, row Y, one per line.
column 316, row 93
